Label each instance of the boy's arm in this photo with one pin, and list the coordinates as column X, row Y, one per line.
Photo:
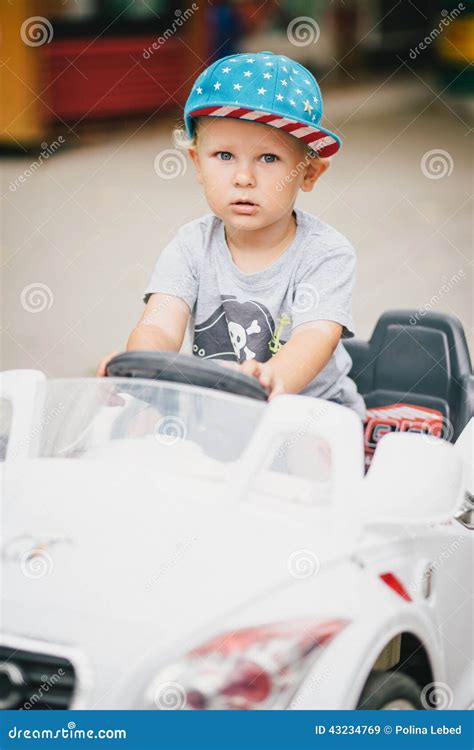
column 162, row 327
column 308, row 350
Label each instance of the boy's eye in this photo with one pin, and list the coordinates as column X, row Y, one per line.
column 227, row 156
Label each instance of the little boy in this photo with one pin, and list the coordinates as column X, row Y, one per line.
column 267, row 286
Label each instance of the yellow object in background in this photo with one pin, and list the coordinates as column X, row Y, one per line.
column 22, row 120
column 456, row 44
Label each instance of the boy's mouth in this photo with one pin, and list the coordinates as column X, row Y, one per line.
column 244, row 206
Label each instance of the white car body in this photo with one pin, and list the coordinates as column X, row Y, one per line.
column 144, row 565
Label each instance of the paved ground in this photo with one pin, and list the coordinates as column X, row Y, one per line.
column 88, row 224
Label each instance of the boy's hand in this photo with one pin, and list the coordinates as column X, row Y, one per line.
column 263, row 371
column 101, row 371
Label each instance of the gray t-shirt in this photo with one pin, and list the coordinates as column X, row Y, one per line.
column 237, row 316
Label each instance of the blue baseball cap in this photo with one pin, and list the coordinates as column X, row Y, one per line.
column 263, row 87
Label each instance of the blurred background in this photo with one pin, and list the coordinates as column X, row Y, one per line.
column 93, row 189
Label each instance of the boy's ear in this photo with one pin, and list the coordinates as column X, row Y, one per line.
column 195, row 157
column 315, row 168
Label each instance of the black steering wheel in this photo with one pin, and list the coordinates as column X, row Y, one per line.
column 187, row 369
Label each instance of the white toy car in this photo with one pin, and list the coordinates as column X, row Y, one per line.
column 168, row 543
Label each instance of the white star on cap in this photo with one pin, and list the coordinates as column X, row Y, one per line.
column 298, row 91
column 248, row 73
column 250, row 60
column 237, row 86
column 307, row 106
column 267, row 75
column 292, row 102
column 261, row 91
column 279, row 97
column 217, row 85
column 199, row 90
column 284, row 83
column 285, row 69
column 226, row 70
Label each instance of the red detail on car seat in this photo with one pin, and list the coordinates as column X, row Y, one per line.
column 391, row 580
column 399, row 418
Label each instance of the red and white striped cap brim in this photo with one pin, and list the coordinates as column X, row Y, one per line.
column 321, row 141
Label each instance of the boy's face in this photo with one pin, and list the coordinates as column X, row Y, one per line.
column 242, row 160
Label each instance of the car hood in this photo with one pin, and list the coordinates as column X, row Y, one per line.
column 124, row 555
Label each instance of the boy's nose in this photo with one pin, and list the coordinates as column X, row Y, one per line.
column 244, row 178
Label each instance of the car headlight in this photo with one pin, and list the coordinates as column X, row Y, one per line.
column 252, row 668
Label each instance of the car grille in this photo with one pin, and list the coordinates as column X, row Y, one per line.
column 34, row 680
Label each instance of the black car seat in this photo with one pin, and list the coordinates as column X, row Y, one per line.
column 415, row 374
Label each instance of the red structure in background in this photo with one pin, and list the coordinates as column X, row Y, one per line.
column 108, row 77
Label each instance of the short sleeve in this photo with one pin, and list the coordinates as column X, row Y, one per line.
column 323, row 291
column 175, row 273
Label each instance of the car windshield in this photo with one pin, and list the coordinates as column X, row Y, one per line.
column 175, row 427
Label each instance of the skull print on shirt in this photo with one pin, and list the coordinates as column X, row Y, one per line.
column 235, row 331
